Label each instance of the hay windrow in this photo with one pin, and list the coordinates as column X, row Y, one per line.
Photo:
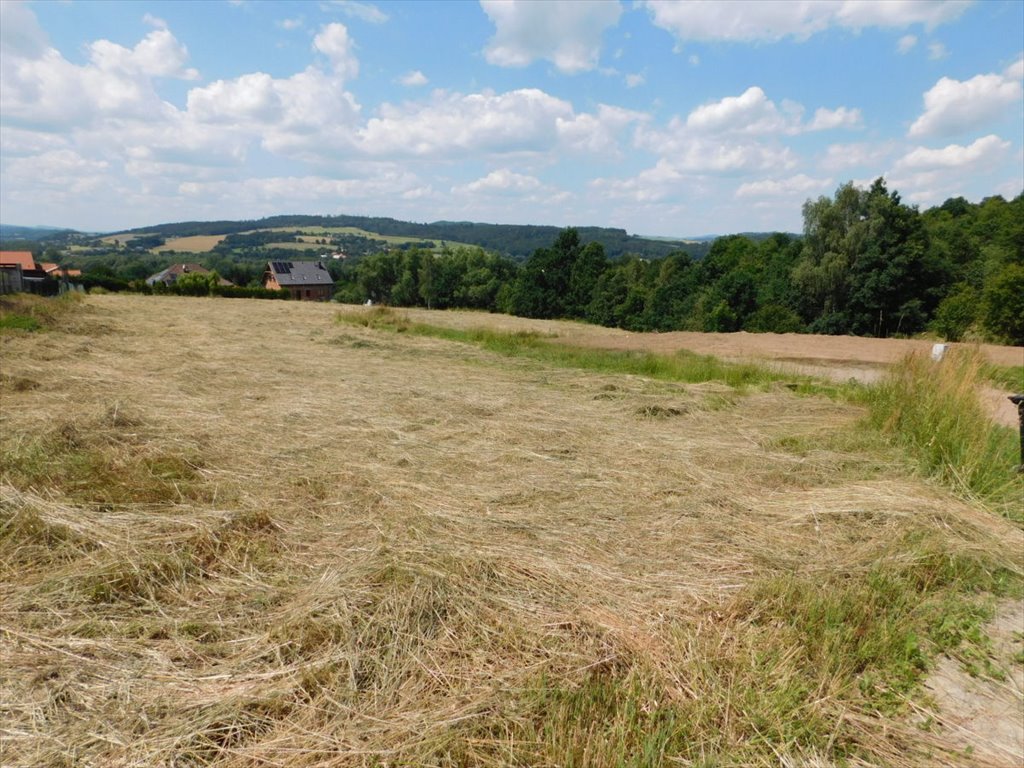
column 407, row 551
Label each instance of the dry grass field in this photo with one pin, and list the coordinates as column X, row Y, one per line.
column 191, row 244
column 242, row 533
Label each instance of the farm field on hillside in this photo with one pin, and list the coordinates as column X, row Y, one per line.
column 315, row 233
column 191, row 244
column 241, row 533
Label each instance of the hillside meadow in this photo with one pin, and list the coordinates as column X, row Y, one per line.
column 238, row 533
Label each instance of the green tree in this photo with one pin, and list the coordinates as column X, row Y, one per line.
column 1003, row 305
column 377, row 275
column 542, row 288
column 956, row 313
column 428, row 282
column 891, row 278
column 670, row 300
column 196, row 283
column 588, row 264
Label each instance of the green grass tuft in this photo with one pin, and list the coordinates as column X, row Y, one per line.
column 1008, row 377
column 932, row 410
column 11, row 321
column 27, row 312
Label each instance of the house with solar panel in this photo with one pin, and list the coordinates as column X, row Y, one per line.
column 304, row 280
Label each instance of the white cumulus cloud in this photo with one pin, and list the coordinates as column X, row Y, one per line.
column 752, row 112
column 362, row 11
column 773, row 20
column 41, row 88
column 984, row 151
column 597, row 132
column 565, row 32
column 1016, row 70
column 333, row 41
column 906, row 43
column 927, row 176
column 504, row 181
column 800, row 184
column 828, row 119
column 955, row 106
column 861, row 154
column 524, row 120
column 413, row 79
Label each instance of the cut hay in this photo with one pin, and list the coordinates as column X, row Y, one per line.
column 399, row 550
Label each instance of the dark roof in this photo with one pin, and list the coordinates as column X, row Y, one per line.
column 300, row 273
column 175, row 271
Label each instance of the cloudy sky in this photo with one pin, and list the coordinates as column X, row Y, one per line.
column 662, row 118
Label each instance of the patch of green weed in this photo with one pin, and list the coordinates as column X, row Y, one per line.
column 1009, row 377
column 19, row 322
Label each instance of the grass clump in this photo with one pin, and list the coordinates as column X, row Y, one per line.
column 932, row 410
column 143, row 577
column 27, row 312
column 115, row 458
column 10, row 321
column 1008, row 377
column 877, row 632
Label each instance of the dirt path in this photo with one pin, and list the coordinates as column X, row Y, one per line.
column 838, row 358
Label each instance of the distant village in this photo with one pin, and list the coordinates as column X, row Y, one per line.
column 301, row 280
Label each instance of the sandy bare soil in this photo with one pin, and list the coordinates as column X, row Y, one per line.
column 985, row 714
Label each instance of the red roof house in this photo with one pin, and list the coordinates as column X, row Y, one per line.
column 21, row 259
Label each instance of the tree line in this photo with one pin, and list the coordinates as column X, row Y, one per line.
column 867, row 264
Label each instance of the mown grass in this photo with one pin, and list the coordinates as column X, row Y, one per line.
column 777, row 673
column 930, row 410
column 418, row 588
column 683, row 367
column 107, row 459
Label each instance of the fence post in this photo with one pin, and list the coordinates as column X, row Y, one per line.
column 1018, row 400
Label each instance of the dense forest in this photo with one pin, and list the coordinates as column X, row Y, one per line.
column 867, row 264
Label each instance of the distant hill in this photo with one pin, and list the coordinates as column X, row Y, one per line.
column 12, row 232
column 517, row 241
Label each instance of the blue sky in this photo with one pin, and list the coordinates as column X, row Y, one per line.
column 662, row 118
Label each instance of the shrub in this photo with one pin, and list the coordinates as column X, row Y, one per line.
column 956, row 313
column 774, row 318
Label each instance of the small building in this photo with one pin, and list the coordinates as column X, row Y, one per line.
column 305, row 280
column 170, row 275
column 19, row 272
column 22, row 259
column 57, row 272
